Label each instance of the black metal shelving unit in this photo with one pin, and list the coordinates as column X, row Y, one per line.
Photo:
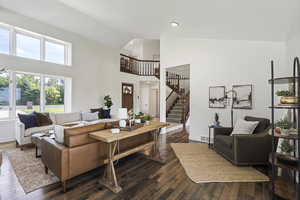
column 295, row 81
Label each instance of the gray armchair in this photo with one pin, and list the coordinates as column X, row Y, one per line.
column 245, row 149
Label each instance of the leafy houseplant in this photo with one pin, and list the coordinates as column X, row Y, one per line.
column 148, row 118
column 285, row 93
column 284, row 123
column 107, row 102
column 287, row 97
column 286, row 147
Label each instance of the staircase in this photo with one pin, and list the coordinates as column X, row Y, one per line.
column 177, row 100
column 175, row 113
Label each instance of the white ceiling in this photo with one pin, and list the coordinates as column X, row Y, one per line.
column 117, row 21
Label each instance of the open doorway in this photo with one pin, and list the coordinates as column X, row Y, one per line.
column 178, row 95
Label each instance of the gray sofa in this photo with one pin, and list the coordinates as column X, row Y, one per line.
column 251, row 149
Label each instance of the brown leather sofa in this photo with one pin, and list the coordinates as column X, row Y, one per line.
column 251, row 149
column 80, row 153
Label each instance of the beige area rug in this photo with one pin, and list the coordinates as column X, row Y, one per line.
column 30, row 170
column 203, row 165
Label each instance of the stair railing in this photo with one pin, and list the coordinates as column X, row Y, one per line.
column 139, row 67
column 185, row 100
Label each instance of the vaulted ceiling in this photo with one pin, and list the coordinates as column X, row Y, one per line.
column 117, row 21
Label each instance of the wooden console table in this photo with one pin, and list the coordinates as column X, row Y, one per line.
column 109, row 179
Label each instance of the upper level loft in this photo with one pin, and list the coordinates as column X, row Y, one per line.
column 139, row 67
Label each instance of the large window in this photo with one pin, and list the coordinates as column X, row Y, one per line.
column 19, row 42
column 4, row 95
column 28, row 47
column 4, row 41
column 22, row 92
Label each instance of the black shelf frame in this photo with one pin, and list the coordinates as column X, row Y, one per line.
column 296, row 110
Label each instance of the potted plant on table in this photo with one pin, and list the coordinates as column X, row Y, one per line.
column 107, row 105
column 287, row 97
column 147, row 119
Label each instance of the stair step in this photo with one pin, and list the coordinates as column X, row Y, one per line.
column 174, row 120
column 172, row 115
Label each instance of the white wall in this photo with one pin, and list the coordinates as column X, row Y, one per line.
column 142, row 49
column 95, row 69
column 222, row 62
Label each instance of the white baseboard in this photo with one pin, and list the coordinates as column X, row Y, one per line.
column 4, row 140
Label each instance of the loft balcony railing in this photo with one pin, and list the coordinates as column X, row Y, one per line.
column 139, row 67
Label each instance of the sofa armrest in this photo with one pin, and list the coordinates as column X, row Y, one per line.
column 20, row 132
column 55, row 156
column 223, row 131
column 252, row 148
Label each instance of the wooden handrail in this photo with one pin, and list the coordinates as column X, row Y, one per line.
column 169, row 95
column 157, row 61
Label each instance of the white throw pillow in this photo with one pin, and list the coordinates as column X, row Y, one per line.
column 86, row 116
column 244, row 127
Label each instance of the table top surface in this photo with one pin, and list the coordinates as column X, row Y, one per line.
column 107, row 136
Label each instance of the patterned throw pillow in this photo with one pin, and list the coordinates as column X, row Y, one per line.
column 29, row 120
column 43, row 119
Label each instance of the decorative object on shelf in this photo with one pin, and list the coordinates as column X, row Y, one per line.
column 148, row 118
column 286, row 147
column 287, row 97
column 216, row 97
column 243, row 99
column 216, row 122
column 123, row 115
column 285, row 125
column 287, row 160
column 107, row 105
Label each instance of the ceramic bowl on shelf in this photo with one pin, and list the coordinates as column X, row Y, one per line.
column 289, row 100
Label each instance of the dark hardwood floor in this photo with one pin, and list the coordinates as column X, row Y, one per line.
column 140, row 179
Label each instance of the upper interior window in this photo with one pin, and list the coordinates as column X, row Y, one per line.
column 4, row 41
column 28, row 47
column 19, row 42
column 55, row 52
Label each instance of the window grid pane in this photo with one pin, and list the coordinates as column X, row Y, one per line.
column 4, row 41
column 28, row 47
column 54, row 94
column 28, row 91
column 54, row 52
column 4, row 95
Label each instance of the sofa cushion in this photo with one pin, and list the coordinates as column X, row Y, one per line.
column 87, row 116
column 29, row 120
column 100, row 112
column 225, row 140
column 61, row 118
column 43, row 119
column 262, row 125
column 30, row 131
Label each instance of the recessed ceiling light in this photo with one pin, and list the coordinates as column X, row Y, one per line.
column 174, row 24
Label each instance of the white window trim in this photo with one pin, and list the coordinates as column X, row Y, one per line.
column 43, row 38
